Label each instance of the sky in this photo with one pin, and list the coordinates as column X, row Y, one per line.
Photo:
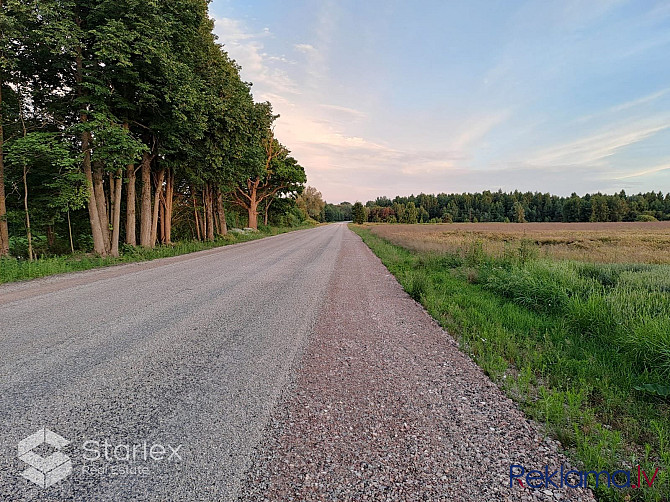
column 401, row 97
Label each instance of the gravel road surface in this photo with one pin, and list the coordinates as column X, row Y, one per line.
column 385, row 407
column 190, row 351
column 288, row 368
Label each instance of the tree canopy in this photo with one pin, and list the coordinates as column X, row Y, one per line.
column 516, row 207
column 129, row 118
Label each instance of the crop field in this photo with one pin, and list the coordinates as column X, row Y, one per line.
column 591, row 242
column 571, row 320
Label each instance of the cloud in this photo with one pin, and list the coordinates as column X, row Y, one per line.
column 598, row 146
column 350, row 113
column 305, row 48
column 265, row 71
column 650, row 170
column 626, row 106
column 476, row 128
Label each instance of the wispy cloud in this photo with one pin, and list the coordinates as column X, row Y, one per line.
column 247, row 48
column 476, row 128
column 645, row 172
column 305, row 48
column 350, row 113
column 597, row 146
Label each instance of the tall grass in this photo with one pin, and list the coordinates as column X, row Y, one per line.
column 583, row 347
column 12, row 270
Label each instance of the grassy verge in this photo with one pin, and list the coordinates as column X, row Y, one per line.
column 12, row 270
column 584, row 348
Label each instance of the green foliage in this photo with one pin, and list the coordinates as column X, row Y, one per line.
column 358, row 213
column 520, row 207
column 338, row 212
column 129, row 81
column 654, row 389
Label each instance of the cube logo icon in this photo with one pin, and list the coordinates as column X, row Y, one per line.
column 45, row 471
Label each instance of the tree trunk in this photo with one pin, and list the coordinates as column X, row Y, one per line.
column 223, row 227
column 116, row 212
column 130, row 201
column 145, row 202
column 130, row 207
column 69, row 229
column 195, row 213
column 157, row 199
column 4, row 229
column 161, row 221
column 203, row 220
column 101, row 202
column 169, row 198
column 51, row 238
column 268, row 203
column 96, row 230
column 29, row 233
column 253, row 208
column 253, row 216
column 210, row 213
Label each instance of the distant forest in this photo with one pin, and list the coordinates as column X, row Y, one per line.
column 501, row 206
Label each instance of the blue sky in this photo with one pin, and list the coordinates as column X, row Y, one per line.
column 398, row 97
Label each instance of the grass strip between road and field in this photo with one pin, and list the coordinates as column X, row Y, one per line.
column 584, row 348
column 12, row 269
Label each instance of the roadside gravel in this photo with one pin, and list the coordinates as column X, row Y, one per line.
column 385, row 407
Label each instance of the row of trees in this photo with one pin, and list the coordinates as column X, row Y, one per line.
column 124, row 115
column 511, row 207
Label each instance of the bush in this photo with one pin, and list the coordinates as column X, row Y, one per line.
column 645, row 217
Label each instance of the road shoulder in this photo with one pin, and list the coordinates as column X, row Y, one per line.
column 385, row 407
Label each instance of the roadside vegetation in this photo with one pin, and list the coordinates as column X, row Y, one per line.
column 126, row 125
column 12, row 269
column 583, row 347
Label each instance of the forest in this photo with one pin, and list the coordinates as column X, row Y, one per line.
column 499, row 206
column 125, row 123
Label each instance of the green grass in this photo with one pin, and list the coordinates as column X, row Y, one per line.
column 12, row 270
column 584, row 348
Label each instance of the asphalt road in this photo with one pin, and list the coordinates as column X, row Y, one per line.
column 187, row 354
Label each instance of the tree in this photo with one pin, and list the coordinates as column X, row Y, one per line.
column 358, row 213
column 311, row 202
column 268, row 171
column 518, row 212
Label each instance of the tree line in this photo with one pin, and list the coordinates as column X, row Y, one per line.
column 518, row 207
column 125, row 122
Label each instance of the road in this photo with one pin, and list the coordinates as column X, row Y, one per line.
column 192, row 351
column 289, row 368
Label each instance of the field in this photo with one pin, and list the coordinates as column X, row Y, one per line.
column 591, row 242
column 572, row 320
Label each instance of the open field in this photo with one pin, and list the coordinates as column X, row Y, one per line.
column 583, row 346
column 591, row 242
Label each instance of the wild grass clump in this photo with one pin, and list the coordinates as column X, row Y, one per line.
column 583, row 347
